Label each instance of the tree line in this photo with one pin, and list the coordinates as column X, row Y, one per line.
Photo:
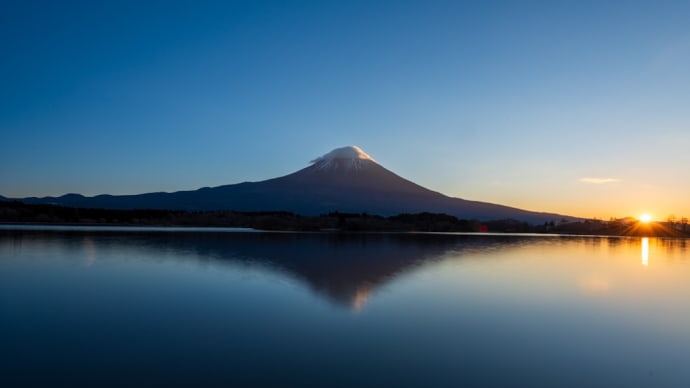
column 15, row 212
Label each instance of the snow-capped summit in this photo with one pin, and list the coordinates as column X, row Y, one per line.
column 350, row 157
column 349, row 152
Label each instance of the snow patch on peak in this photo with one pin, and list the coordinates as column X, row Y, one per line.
column 349, row 152
column 345, row 158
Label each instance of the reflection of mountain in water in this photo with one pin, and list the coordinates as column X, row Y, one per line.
column 345, row 268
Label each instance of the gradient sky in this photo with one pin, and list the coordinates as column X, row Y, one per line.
column 576, row 107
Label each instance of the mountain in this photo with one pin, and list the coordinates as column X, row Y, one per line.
column 345, row 179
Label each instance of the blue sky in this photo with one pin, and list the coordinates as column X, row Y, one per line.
column 574, row 107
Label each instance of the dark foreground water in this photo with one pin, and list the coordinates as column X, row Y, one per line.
column 126, row 307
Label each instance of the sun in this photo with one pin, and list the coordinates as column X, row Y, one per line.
column 646, row 217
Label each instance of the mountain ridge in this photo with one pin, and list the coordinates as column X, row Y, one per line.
column 345, row 179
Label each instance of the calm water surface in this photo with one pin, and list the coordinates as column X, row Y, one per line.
column 127, row 307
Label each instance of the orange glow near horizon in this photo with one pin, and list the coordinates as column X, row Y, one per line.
column 646, row 217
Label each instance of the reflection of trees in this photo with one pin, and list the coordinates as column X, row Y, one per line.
column 673, row 248
column 614, row 242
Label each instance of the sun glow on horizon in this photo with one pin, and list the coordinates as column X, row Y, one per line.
column 646, row 217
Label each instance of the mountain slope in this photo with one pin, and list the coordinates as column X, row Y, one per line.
column 346, row 180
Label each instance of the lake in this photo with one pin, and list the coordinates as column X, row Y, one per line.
column 156, row 306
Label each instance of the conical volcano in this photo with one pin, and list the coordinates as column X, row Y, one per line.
column 345, row 179
column 348, row 180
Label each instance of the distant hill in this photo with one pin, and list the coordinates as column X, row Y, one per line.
column 345, row 180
